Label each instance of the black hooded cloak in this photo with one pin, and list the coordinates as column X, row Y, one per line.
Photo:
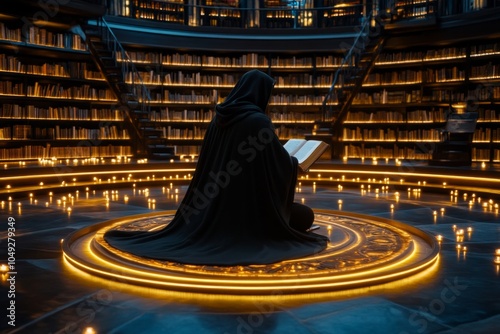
column 237, row 208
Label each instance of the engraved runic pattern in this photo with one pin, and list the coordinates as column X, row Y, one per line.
column 355, row 244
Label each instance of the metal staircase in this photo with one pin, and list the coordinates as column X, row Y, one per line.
column 347, row 82
column 133, row 96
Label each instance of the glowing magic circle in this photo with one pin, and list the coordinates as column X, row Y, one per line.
column 363, row 251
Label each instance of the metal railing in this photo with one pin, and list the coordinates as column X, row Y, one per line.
column 132, row 93
column 129, row 71
column 297, row 16
column 347, row 70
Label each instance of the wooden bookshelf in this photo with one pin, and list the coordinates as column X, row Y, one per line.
column 403, row 105
column 54, row 102
column 399, row 113
column 411, row 9
column 159, row 10
column 235, row 14
column 185, row 88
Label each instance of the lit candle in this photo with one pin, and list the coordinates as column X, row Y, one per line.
column 497, row 256
column 89, row 330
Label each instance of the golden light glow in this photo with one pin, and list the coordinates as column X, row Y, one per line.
column 89, row 330
column 193, row 278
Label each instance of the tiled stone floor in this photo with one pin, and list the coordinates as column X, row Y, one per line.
column 462, row 296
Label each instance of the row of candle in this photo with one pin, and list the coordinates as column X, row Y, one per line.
column 51, row 162
column 384, row 189
column 187, row 158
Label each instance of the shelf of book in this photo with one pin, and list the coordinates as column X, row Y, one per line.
column 187, row 86
column 54, row 102
column 398, row 113
column 170, row 11
column 409, row 93
column 411, row 9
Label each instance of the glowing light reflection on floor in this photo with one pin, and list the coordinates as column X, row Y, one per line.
column 365, row 251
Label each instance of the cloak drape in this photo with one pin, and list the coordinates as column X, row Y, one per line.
column 237, row 208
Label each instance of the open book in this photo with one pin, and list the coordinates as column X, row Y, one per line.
column 306, row 151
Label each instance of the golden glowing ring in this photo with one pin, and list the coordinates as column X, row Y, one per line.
column 364, row 251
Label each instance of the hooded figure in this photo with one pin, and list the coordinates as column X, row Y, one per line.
column 238, row 208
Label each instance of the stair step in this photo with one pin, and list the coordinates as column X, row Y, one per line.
column 163, row 156
column 122, row 86
column 94, row 38
column 108, row 60
column 112, row 71
column 92, row 32
column 113, row 78
column 104, row 53
column 159, row 146
column 162, row 149
column 152, row 131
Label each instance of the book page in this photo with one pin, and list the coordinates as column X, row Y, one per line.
column 306, row 150
column 293, row 145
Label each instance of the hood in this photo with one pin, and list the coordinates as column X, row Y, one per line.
column 250, row 94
